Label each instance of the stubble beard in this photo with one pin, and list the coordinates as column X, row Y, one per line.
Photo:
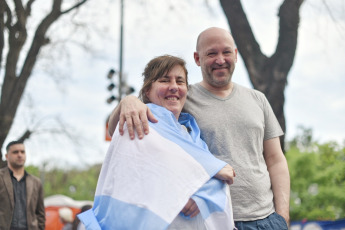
column 16, row 165
column 216, row 83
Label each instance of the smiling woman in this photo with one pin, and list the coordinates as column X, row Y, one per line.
column 164, row 180
column 168, row 89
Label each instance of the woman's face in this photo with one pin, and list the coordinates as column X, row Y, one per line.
column 170, row 90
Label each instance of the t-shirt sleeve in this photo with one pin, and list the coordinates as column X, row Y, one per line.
column 272, row 126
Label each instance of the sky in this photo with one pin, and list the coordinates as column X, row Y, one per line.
column 68, row 84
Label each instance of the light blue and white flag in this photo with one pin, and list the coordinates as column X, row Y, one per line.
column 144, row 184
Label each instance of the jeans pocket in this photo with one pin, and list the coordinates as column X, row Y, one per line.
column 281, row 221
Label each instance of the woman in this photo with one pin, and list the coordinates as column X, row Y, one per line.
column 145, row 184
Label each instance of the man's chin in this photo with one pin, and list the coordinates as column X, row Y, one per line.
column 18, row 166
column 221, row 81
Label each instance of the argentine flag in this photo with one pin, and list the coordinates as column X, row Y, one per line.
column 144, row 184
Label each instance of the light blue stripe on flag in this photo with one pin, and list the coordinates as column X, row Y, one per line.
column 107, row 206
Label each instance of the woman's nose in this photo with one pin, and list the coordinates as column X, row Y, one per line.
column 173, row 86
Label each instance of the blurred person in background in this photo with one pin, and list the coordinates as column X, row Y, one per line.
column 66, row 217
column 21, row 194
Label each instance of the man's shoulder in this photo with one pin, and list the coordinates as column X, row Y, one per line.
column 249, row 91
column 245, row 88
column 35, row 179
column 3, row 170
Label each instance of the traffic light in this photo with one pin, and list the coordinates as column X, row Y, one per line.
column 111, row 86
column 111, row 99
column 125, row 89
column 111, row 73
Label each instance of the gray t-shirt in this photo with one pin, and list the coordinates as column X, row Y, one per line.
column 234, row 129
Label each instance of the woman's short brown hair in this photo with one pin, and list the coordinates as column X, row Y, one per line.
column 157, row 68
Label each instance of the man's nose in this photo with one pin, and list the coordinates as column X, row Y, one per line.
column 220, row 60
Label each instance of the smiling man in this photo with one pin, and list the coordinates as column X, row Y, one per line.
column 21, row 194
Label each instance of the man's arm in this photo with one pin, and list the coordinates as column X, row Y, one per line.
column 279, row 174
column 136, row 115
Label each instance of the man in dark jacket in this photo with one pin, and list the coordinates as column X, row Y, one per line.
column 21, row 194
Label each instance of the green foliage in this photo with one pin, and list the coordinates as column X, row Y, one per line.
column 317, row 174
column 77, row 184
column 33, row 170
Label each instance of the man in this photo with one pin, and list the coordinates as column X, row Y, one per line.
column 239, row 127
column 21, row 194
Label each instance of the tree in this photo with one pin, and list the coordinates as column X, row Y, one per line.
column 13, row 37
column 267, row 74
column 317, row 174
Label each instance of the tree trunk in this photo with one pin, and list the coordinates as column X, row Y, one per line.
column 267, row 74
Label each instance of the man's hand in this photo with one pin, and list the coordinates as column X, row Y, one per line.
column 190, row 209
column 226, row 174
column 136, row 115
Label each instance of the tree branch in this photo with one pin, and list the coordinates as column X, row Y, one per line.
column 8, row 22
column 26, row 135
column 28, row 7
column 288, row 34
column 73, row 7
column 4, row 10
column 20, row 13
column 2, row 29
column 39, row 39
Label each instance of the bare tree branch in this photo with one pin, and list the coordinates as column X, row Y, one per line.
column 329, row 10
column 25, row 136
column 3, row 6
column 74, row 7
column 28, row 7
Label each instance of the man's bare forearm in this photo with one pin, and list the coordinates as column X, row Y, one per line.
column 279, row 175
column 134, row 114
column 114, row 119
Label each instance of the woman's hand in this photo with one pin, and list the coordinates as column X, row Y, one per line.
column 226, row 174
column 190, row 209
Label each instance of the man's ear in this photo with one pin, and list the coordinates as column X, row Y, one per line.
column 197, row 58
